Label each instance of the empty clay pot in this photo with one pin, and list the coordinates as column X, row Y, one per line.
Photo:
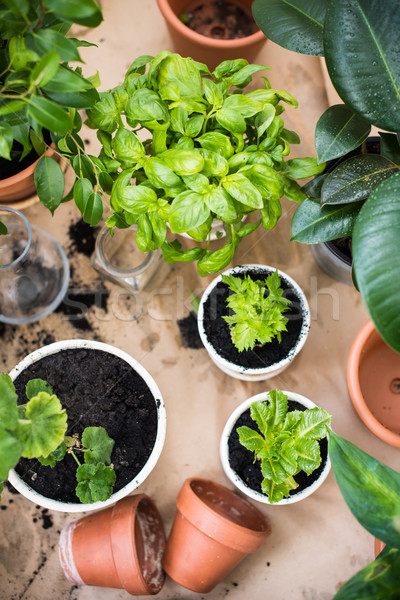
column 373, row 378
column 214, row 529
column 118, row 547
column 208, row 50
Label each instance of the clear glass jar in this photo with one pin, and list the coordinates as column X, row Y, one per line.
column 34, row 270
column 119, row 259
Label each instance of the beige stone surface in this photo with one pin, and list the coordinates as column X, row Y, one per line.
column 316, row 544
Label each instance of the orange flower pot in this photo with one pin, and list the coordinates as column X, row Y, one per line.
column 205, row 49
column 378, row 546
column 118, row 547
column 214, row 529
column 373, row 378
column 21, row 185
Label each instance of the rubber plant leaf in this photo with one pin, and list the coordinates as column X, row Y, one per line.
column 45, row 426
column 296, row 25
column 376, row 256
column 339, row 131
column 313, row 224
column 371, row 489
column 362, row 61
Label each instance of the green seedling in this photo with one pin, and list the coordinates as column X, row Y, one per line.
column 37, row 430
column 258, row 308
column 286, row 443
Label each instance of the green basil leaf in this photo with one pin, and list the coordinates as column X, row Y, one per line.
column 312, row 224
column 49, row 182
column 172, row 252
column 300, row 168
column 241, row 188
column 159, row 228
column 339, row 131
column 242, row 76
column 144, row 234
column 356, row 178
column 200, row 233
column 197, row 183
column 145, row 106
column 194, row 126
column 219, row 202
column 216, row 142
column 178, row 119
column 137, row 199
column 212, row 93
column 183, row 162
column 187, row 211
column 264, row 119
column 269, row 183
column 293, row 191
column 229, row 67
column 179, row 78
column 212, row 262
column 161, row 175
column 127, row 146
column 247, row 229
column 231, row 120
column 290, row 137
column 270, row 213
column 104, row 114
column 246, row 107
column 214, row 164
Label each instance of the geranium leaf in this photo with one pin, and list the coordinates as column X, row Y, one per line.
column 95, row 482
column 99, row 445
column 45, row 427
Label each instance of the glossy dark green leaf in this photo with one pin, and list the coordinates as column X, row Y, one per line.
column 355, row 178
column 47, row 40
column 83, row 167
column 339, row 131
column 79, row 100
column 362, row 61
column 390, row 146
column 49, row 115
column 378, row 581
column 66, row 81
column 376, row 255
column 313, row 188
column 84, row 12
column 312, row 224
column 6, row 140
column 297, row 25
column 371, row 489
column 3, row 229
column 49, row 181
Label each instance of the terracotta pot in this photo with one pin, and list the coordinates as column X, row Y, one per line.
column 378, row 546
column 23, row 488
column 238, row 481
column 373, row 380
column 21, row 185
column 118, row 547
column 214, row 529
column 239, row 371
column 205, row 49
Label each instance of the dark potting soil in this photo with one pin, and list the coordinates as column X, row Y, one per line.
column 76, row 305
column 343, row 246
column 218, row 332
column 242, row 460
column 220, row 19
column 96, row 389
column 83, row 237
column 8, row 168
column 190, row 332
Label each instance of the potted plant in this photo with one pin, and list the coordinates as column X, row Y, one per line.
column 274, row 447
column 212, row 30
column 374, row 384
column 212, row 152
column 371, row 491
column 40, row 94
column 105, row 386
column 362, row 198
column 213, row 531
column 253, row 320
column 120, row 547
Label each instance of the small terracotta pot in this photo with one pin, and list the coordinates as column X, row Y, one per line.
column 21, row 185
column 378, row 546
column 373, row 379
column 118, row 547
column 205, row 49
column 214, row 529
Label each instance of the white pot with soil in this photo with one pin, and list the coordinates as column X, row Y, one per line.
column 244, row 471
column 100, row 386
column 262, row 362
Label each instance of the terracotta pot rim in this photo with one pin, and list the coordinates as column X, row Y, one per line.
column 203, row 40
column 356, row 395
column 27, row 172
column 218, row 526
column 263, row 372
column 72, row 507
column 234, row 477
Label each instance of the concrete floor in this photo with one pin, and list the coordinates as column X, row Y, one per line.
column 316, row 544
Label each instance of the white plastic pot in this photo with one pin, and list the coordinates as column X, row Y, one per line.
column 37, row 498
column 239, row 371
column 234, row 477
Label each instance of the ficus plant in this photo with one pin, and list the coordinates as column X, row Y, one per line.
column 372, row 492
column 286, row 442
column 258, row 307
column 39, row 90
column 360, row 197
column 182, row 148
column 36, row 430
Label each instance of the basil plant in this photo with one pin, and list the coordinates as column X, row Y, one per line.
column 183, row 148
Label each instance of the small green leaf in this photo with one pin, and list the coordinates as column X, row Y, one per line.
column 183, row 162
column 55, row 456
column 10, row 452
column 276, row 492
column 34, row 386
column 99, row 445
column 219, row 143
column 241, row 188
column 172, row 252
column 187, row 211
column 219, row 202
column 46, row 427
column 212, row 262
column 137, row 199
column 95, row 482
column 300, row 168
column 3, row 229
column 308, row 454
column 49, row 181
column 250, row 439
column 314, row 424
column 6, row 140
column 8, row 403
